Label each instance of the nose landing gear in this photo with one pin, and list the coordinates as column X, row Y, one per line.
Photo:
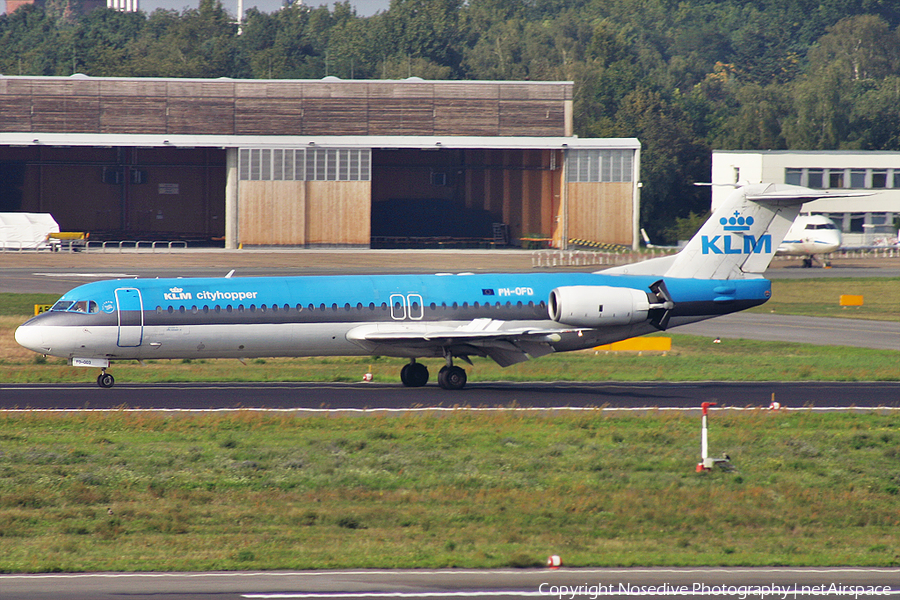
column 105, row 380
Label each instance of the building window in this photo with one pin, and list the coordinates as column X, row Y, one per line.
column 814, row 178
column 836, row 178
column 304, row 164
column 600, row 166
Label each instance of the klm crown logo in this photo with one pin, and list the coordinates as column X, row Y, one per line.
column 737, row 222
column 744, row 242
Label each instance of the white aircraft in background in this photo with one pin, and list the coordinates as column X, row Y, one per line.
column 808, row 236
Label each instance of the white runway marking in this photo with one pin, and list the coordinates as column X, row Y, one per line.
column 472, row 594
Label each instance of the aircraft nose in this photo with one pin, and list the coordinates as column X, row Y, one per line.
column 30, row 337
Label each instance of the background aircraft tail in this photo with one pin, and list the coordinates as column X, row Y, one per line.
column 740, row 238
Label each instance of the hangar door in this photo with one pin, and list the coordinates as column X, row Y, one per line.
column 461, row 197
column 304, row 196
column 124, row 193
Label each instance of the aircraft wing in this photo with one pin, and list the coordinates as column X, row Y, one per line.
column 480, row 337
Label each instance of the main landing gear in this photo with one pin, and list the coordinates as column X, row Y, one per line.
column 414, row 374
column 105, row 380
column 450, row 377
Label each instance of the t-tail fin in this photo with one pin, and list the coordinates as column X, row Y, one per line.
column 740, row 238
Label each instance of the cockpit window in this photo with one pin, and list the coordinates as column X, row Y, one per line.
column 81, row 306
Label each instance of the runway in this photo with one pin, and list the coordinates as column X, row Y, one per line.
column 700, row 583
column 371, row 397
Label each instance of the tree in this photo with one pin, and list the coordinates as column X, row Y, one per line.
column 860, row 47
column 672, row 159
column 30, row 43
column 102, row 39
column 426, row 29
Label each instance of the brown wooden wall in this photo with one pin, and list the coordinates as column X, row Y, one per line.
column 290, row 107
column 601, row 212
column 304, row 213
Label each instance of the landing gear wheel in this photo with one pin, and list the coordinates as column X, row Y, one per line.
column 414, row 374
column 452, row 378
column 105, row 380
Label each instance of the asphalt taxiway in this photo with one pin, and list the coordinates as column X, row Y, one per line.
column 571, row 584
column 370, row 397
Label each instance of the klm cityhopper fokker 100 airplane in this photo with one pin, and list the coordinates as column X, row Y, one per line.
column 508, row 317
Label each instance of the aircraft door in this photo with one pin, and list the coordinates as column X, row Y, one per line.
column 398, row 307
column 416, row 308
column 131, row 317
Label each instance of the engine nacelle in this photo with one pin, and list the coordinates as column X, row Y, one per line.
column 598, row 305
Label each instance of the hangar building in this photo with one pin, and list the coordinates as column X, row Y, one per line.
column 306, row 163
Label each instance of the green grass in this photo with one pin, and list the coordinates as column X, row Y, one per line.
column 22, row 305
column 251, row 491
column 821, row 298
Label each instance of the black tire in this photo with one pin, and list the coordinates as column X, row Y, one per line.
column 414, row 375
column 105, row 380
column 452, row 378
